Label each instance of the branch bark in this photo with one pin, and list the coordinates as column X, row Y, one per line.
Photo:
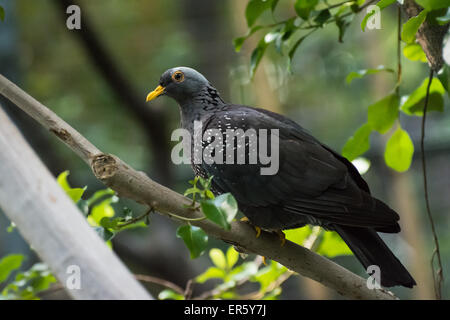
column 429, row 36
column 136, row 185
column 53, row 225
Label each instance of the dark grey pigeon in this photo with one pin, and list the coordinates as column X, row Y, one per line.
column 313, row 185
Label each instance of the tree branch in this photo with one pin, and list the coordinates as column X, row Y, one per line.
column 135, row 185
column 430, row 36
column 52, row 224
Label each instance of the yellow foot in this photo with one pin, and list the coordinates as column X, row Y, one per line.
column 257, row 229
column 264, row 260
column 282, row 237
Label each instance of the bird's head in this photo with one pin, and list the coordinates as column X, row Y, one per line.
column 181, row 84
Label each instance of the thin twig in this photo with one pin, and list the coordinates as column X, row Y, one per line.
column 162, row 282
column 339, row 4
column 309, row 243
column 399, row 54
column 220, row 290
column 437, row 281
column 134, row 220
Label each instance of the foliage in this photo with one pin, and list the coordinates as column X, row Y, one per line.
column 220, row 210
column 99, row 210
column 313, row 15
column 230, row 275
column 26, row 285
column 100, row 214
column 2, row 14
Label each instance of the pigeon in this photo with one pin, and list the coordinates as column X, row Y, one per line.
column 309, row 183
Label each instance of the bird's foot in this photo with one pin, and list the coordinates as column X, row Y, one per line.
column 257, row 229
column 282, row 237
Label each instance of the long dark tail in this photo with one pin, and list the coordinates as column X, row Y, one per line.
column 370, row 249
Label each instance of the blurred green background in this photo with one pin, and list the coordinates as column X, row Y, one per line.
column 144, row 38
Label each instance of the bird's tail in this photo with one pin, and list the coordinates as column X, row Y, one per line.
column 370, row 249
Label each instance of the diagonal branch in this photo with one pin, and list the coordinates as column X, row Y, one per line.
column 135, row 185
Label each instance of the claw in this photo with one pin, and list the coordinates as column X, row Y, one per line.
column 257, row 229
column 282, row 237
column 264, row 260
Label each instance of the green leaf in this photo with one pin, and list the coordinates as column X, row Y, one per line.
column 411, row 27
column 358, row 143
column 322, row 17
column 414, row 104
column 104, row 233
column 101, row 210
column 238, row 42
column 255, row 8
column 168, row 294
column 243, row 271
column 218, row 258
column 74, row 193
column 342, row 24
column 258, row 52
column 298, row 235
column 274, row 5
column 27, row 284
column 381, row 4
column 193, row 190
column 2, row 13
column 232, row 257
column 443, row 20
column 267, row 275
column 220, row 210
column 8, row 264
column 210, row 273
column 444, row 76
column 256, row 56
column 11, row 227
column 332, row 245
column 399, row 151
column 383, row 113
column 361, row 73
column 194, row 238
column 414, row 52
column 294, row 48
column 304, row 7
column 104, row 193
column 433, row 4
column 62, row 180
column 109, row 223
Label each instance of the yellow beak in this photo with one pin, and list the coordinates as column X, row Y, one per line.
column 155, row 93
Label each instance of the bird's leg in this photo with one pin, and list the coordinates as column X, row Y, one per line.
column 257, row 229
column 282, row 236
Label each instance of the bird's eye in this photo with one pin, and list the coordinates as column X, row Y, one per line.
column 178, row 76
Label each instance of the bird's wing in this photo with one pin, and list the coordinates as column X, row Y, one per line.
column 311, row 179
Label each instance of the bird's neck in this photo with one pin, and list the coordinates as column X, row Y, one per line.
column 199, row 106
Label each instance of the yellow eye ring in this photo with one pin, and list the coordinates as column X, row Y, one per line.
column 178, row 76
